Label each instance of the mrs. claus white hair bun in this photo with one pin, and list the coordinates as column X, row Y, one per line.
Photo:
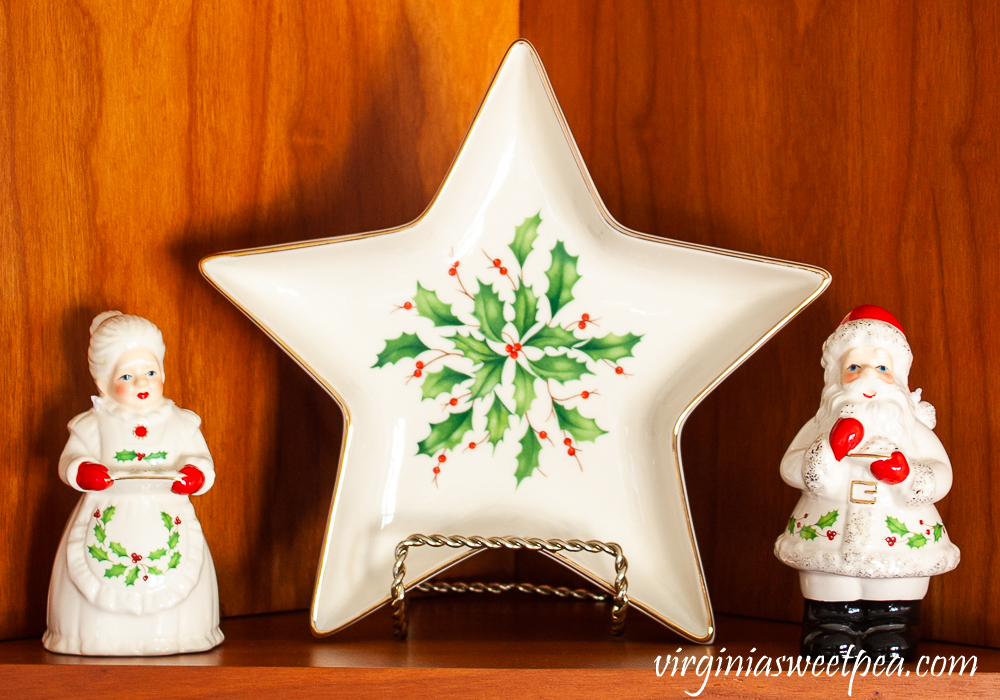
column 111, row 334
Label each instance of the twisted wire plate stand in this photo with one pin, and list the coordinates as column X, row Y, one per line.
column 619, row 606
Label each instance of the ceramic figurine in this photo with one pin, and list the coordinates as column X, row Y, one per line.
column 133, row 574
column 865, row 536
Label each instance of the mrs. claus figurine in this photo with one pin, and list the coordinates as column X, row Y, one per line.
column 133, row 574
column 865, row 536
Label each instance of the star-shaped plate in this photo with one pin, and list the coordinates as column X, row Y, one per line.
column 514, row 362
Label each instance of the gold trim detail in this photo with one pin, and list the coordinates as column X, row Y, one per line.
column 871, row 492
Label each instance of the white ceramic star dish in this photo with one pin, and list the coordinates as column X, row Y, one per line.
column 617, row 337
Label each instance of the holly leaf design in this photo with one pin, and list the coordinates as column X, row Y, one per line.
column 562, row 276
column 895, row 526
column 916, row 541
column 551, row 337
column 444, row 381
column 98, row 553
column 114, row 570
column 828, row 519
column 108, row 513
column 611, row 347
column 579, row 426
column 497, row 420
column 430, row 306
column 156, row 455
column 157, row 554
column 488, row 310
column 118, row 549
column 155, row 570
column 473, row 348
column 524, row 389
column 174, row 561
column 808, row 533
column 406, row 345
column 99, row 533
column 125, row 456
column 446, row 434
column 938, row 531
column 562, row 368
column 133, row 574
column 527, row 460
column 487, row 377
column 173, row 539
column 168, row 522
column 791, row 525
column 524, row 238
column 525, row 309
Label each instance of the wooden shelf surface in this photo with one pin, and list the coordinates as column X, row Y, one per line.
column 506, row 646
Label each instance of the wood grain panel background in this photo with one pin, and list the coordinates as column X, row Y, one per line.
column 139, row 137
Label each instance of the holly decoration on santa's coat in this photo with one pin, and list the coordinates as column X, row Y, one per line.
column 103, row 550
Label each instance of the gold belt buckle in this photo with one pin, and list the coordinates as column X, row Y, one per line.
column 870, row 492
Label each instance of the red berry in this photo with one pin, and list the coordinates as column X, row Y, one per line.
column 928, row 532
column 571, row 452
column 145, row 578
column 581, row 325
column 177, row 520
column 514, row 354
column 503, row 270
column 921, row 522
column 517, row 346
column 543, row 435
column 584, row 394
column 417, row 373
column 420, row 365
column 586, row 317
column 452, row 272
column 509, row 348
column 437, row 470
column 442, row 459
column 619, row 370
column 97, row 513
column 408, row 305
column 455, row 264
column 454, row 402
column 568, row 441
column 496, row 262
column 472, row 445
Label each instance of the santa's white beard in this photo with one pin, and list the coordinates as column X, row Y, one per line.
column 890, row 414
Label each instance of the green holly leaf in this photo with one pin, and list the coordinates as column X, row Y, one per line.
column 525, row 309
column 118, row 549
column 155, row 570
column 168, row 522
column 430, row 306
column 109, row 513
column 114, row 570
column 524, row 238
column 896, row 527
column 524, row 389
column 487, row 377
column 99, row 553
column 938, row 531
column 828, row 519
column 173, row 539
column 446, row 434
column 157, row 554
column 497, row 420
column 791, row 525
column 562, row 276
column 125, row 456
column 437, row 383
column 527, row 460
column 406, row 345
column 551, row 337
column 156, row 455
column 562, row 368
column 916, row 541
column 174, row 561
column 133, row 574
column 580, row 427
column 99, row 533
column 611, row 347
column 473, row 348
column 808, row 533
column 488, row 309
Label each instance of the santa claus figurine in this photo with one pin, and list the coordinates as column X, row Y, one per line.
column 865, row 536
column 133, row 574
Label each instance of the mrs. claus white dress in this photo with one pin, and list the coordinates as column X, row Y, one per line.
column 133, row 574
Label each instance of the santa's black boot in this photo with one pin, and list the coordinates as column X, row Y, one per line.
column 891, row 628
column 832, row 628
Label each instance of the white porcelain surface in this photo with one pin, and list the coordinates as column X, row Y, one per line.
column 333, row 305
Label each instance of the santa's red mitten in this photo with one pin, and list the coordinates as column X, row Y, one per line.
column 891, row 470
column 91, row 476
column 847, row 433
column 191, row 482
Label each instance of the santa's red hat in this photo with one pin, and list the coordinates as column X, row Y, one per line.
column 868, row 325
